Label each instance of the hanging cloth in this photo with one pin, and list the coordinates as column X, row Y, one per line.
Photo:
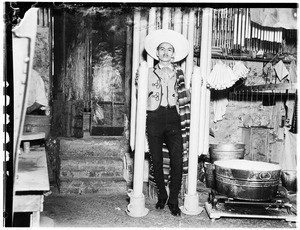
column 281, row 70
column 275, row 17
column 294, row 119
column 220, row 109
column 293, row 72
column 288, row 159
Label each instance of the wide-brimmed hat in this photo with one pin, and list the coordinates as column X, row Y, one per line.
column 177, row 40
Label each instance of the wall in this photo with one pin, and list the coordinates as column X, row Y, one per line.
column 251, row 109
column 41, row 60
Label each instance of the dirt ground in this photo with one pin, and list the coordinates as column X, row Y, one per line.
column 94, row 210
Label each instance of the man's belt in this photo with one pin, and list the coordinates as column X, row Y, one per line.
column 168, row 107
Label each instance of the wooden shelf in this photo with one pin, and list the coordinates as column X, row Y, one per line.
column 32, row 175
column 29, row 136
column 267, row 87
column 243, row 58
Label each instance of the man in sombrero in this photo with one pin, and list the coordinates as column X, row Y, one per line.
column 167, row 102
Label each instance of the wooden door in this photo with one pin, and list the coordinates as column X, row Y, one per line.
column 108, row 74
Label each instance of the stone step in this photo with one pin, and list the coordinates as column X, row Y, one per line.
column 97, row 164
column 92, row 165
column 115, row 185
column 92, row 146
column 89, row 174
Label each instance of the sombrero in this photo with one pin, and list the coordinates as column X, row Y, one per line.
column 177, row 40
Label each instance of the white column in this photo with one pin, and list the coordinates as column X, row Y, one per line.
column 185, row 19
column 143, row 34
column 191, row 201
column 151, row 27
column 135, row 63
column 198, row 114
column 190, row 57
column 166, row 18
column 207, row 96
column 136, row 207
column 177, row 20
column 203, row 65
column 205, row 59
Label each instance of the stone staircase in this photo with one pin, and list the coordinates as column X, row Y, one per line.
column 92, row 165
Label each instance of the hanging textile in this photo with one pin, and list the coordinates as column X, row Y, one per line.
column 184, row 111
column 275, row 17
column 288, row 159
column 294, row 119
column 281, row 70
column 220, row 109
column 293, row 72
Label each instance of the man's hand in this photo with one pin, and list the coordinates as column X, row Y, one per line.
column 136, row 78
column 188, row 94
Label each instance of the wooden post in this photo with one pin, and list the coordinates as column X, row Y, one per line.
column 23, row 44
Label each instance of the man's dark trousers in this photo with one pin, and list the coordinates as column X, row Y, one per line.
column 163, row 125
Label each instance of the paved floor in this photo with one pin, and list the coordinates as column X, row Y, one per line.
column 94, row 210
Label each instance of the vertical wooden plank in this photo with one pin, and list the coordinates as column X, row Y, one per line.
column 77, row 118
column 35, row 219
column 128, row 65
column 23, row 44
column 45, row 13
column 68, row 118
column 166, row 18
column 243, row 28
column 177, row 20
column 143, row 33
column 190, row 57
column 151, row 27
column 235, row 28
column 59, row 53
column 185, row 19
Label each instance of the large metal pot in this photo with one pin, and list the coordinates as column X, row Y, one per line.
column 247, row 180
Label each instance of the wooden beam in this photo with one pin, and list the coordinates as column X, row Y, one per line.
column 269, row 87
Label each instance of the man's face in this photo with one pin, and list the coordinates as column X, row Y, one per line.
column 165, row 52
